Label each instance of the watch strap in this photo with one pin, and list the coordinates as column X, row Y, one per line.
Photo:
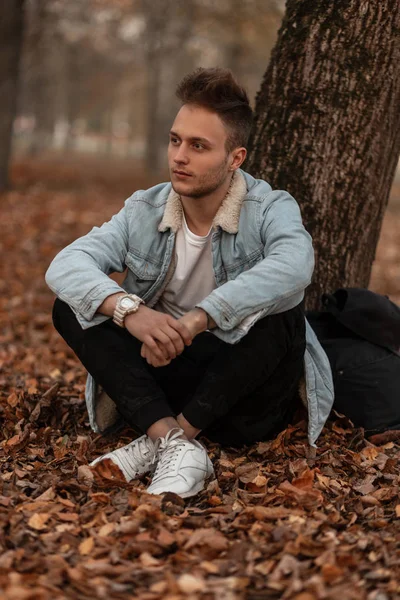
column 121, row 313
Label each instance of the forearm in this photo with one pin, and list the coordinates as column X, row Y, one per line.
column 84, row 291
column 78, row 275
column 272, row 282
column 197, row 321
column 108, row 306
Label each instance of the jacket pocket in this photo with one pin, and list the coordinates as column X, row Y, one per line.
column 142, row 273
column 143, row 267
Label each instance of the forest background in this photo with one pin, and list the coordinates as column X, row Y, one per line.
column 95, row 101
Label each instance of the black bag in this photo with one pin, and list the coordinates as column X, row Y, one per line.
column 360, row 333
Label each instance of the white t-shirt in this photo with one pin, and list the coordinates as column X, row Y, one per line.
column 193, row 279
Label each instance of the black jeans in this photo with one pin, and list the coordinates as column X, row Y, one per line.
column 236, row 393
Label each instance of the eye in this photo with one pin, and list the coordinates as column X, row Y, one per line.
column 174, row 141
column 198, row 146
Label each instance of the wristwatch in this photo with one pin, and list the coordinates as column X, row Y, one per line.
column 126, row 305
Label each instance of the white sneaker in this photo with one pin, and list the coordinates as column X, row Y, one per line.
column 183, row 467
column 134, row 459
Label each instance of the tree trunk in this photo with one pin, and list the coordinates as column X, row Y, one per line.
column 72, row 89
column 153, row 112
column 157, row 15
column 327, row 128
column 11, row 29
column 43, row 95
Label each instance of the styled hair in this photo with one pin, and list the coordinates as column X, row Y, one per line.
column 218, row 90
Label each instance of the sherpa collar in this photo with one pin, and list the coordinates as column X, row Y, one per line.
column 227, row 216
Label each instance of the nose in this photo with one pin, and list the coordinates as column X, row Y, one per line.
column 181, row 155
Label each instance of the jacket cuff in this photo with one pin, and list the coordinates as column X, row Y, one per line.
column 87, row 308
column 221, row 312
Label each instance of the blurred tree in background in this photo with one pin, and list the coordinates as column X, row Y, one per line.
column 11, row 31
column 328, row 128
column 98, row 76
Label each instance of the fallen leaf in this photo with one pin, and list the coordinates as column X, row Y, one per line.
column 208, row 537
column 38, row 521
column 106, row 529
column 260, row 481
column 369, row 453
column 188, row 584
column 309, row 498
column 148, row 561
column 85, row 474
column 209, row 567
column 86, row 546
column 13, row 400
column 265, row 513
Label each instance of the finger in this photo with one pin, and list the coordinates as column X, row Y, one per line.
column 159, row 363
column 182, row 330
column 146, row 353
column 149, row 356
column 165, row 342
column 176, row 339
column 163, row 364
column 154, row 347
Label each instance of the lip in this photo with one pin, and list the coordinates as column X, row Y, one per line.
column 181, row 174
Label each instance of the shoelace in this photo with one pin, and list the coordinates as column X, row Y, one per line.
column 139, row 451
column 167, row 449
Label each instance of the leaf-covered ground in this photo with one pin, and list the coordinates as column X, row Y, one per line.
column 278, row 523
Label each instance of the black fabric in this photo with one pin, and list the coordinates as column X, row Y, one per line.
column 237, row 394
column 360, row 333
column 371, row 316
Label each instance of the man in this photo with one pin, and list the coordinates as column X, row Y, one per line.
column 207, row 333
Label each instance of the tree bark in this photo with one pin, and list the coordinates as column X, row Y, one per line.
column 11, row 29
column 327, row 128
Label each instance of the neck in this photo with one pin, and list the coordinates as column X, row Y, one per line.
column 200, row 212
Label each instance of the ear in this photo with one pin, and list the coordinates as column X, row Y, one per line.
column 238, row 158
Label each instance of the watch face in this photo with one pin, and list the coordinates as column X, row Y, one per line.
column 126, row 303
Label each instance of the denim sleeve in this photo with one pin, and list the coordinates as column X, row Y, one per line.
column 284, row 272
column 78, row 275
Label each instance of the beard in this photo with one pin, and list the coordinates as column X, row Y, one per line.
column 205, row 184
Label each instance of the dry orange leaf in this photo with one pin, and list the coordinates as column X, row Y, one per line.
column 13, row 400
column 148, row 560
column 264, row 513
column 369, row 453
column 260, row 481
column 209, row 567
column 188, row 584
column 106, row 529
column 86, row 546
column 38, row 521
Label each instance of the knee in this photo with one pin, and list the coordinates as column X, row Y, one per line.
column 61, row 313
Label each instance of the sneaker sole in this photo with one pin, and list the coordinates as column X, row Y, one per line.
column 197, row 488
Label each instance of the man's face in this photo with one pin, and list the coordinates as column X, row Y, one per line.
column 197, row 157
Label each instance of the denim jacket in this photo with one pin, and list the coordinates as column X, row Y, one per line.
column 262, row 261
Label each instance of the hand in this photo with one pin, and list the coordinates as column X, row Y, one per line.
column 152, row 359
column 164, row 336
